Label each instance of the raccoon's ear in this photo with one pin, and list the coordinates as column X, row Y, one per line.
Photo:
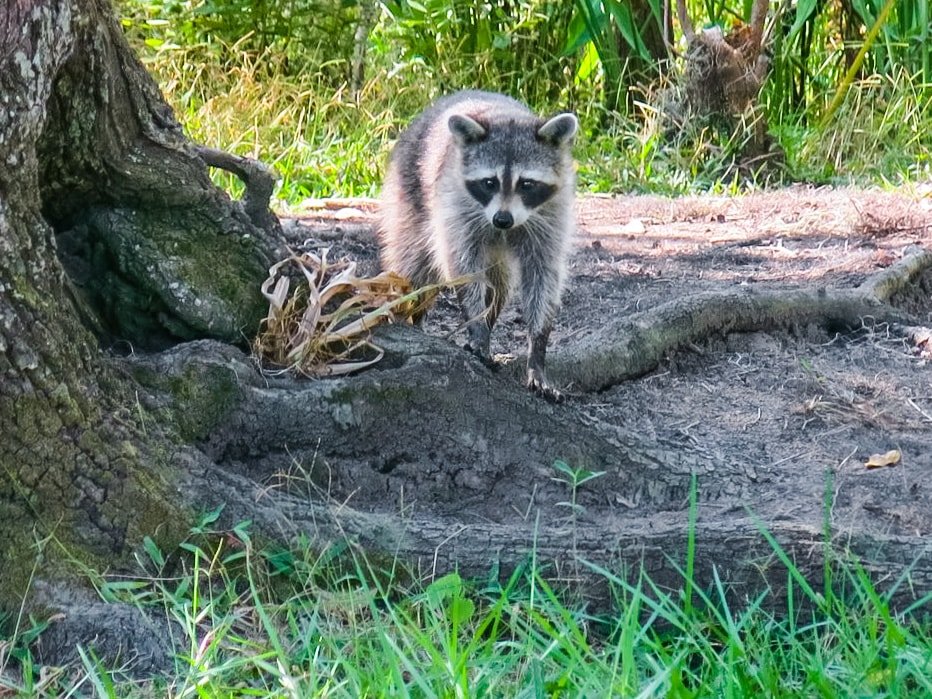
column 466, row 129
column 559, row 130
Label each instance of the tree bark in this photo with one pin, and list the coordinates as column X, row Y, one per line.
column 156, row 250
column 94, row 169
column 70, row 457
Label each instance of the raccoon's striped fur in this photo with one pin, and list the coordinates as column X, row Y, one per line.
column 480, row 187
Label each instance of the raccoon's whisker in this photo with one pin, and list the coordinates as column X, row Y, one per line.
column 475, row 219
column 544, row 226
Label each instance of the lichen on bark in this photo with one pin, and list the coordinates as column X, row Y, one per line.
column 189, row 401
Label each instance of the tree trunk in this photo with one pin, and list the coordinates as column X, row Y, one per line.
column 91, row 153
column 720, row 87
column 70, row 456
column 159, row 253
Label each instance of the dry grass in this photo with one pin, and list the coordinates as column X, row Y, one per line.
column 321, row 314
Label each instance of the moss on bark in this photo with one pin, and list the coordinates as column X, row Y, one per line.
column 158, row 276
column 190, row 404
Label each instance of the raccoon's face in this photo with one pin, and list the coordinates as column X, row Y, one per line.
column 512, row 168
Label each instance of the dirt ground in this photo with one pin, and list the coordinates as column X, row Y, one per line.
column 810, row 398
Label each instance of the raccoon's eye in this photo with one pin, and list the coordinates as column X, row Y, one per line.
column 528, row 185
column 534, row 192
column 489, row 183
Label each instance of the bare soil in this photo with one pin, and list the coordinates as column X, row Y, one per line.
column 819, row 401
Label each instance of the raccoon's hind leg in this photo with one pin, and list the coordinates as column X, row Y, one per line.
column 423, row 274
column 415, row 264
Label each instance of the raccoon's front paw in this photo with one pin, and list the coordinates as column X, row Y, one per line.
column 483, row 356
column 537, row 382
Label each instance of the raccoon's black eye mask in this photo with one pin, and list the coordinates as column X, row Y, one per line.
column 534, row 193
column 483, row 190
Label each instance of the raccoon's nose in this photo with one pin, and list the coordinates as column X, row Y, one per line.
column 503, row 220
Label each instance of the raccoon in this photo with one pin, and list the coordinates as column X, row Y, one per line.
column 480, row 188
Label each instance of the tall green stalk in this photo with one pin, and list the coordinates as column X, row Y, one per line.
column 599, row 32
column 856, row 63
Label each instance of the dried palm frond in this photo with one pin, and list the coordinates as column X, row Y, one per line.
column 321, row 327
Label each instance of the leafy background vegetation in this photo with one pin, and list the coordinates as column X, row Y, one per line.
column 273, row 79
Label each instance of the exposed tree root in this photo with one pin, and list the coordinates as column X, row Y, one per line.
column 629, row 347
column 258, row 178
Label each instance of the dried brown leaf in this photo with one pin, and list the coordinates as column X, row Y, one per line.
column 891, row 458
column 321, row 314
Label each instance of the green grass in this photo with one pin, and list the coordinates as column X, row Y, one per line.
column 298, row 622
column 880, row 134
